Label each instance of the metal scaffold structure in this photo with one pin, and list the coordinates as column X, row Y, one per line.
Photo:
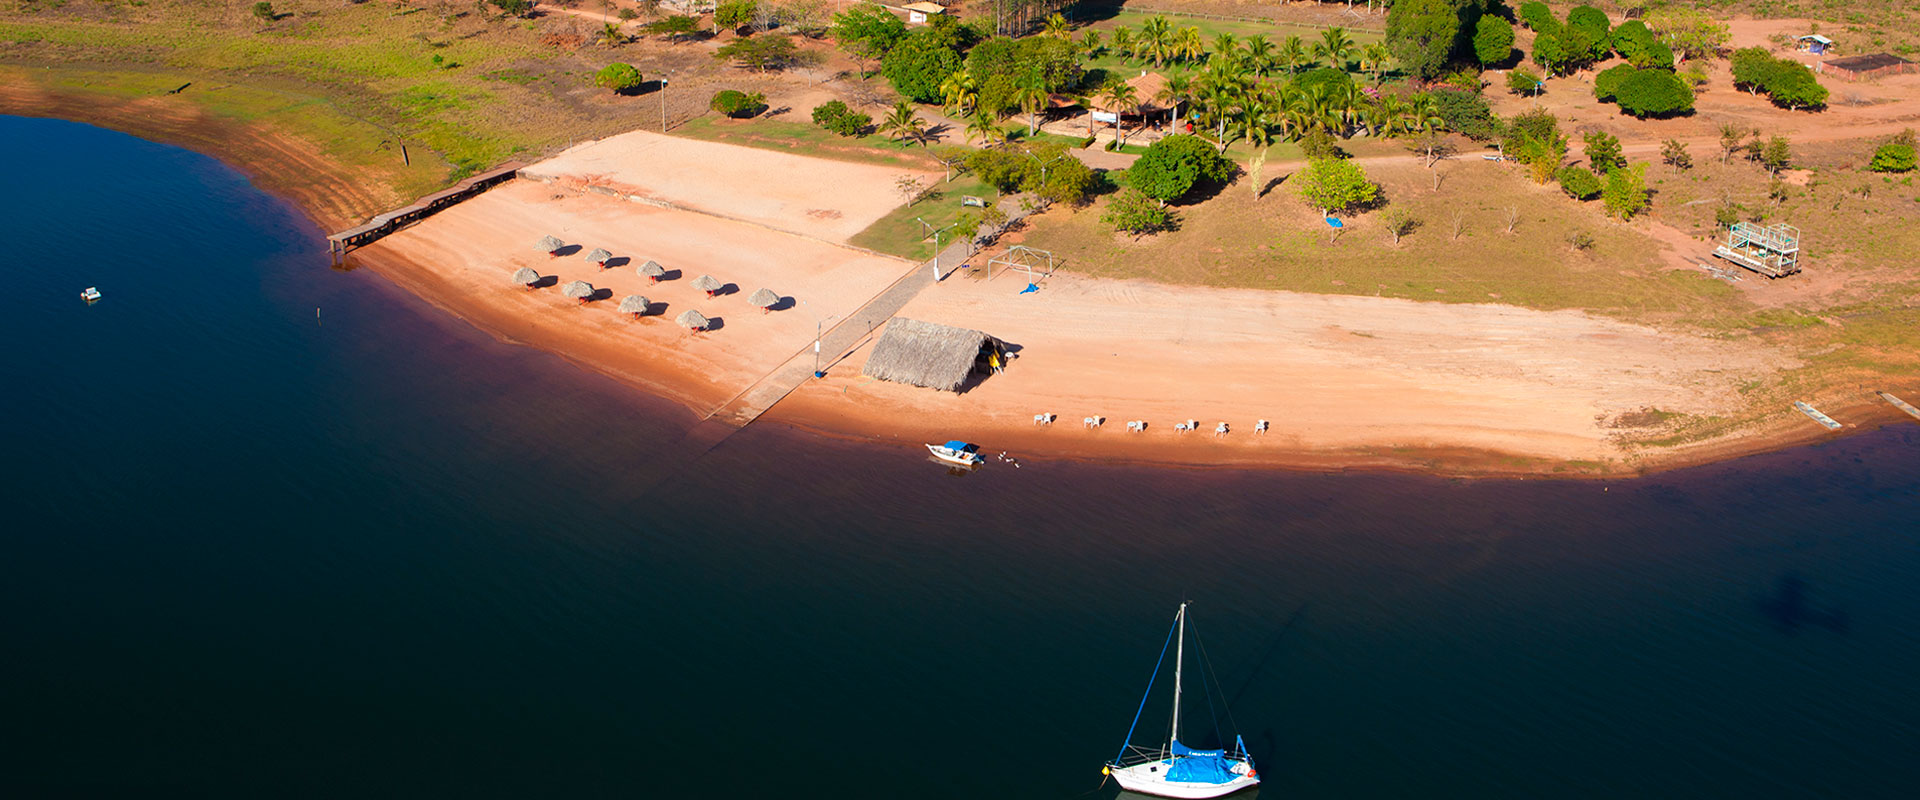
column 1773, row 250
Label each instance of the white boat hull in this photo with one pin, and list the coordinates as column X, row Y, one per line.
column 1150, row 778
column 964, row 459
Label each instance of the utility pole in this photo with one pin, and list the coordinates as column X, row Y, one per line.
column 663, row 105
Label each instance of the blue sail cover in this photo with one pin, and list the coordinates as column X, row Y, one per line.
column 1199, row 766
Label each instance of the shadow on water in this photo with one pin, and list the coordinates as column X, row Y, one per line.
column 1790, row 608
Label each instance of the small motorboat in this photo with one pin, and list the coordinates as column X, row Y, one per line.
column 91, row 294
column 957, row 452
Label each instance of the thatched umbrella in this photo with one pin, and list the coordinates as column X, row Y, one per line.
column 635, row 304
column 692, row 319
column 599, row 257
column 525, row 276
column 550, row 245
column 706, row 283
column 578, row 290
column 653, row 271
column 764, row 299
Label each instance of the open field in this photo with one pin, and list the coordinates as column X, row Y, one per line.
column 904, row 231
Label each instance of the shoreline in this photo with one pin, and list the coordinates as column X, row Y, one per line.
column 325, row 191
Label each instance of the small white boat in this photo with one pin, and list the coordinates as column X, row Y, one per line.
column 91, row 294
column 957, row 452
column 1176, row 770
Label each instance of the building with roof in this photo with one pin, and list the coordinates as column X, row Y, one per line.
column 935, row 356
column 1815, row 43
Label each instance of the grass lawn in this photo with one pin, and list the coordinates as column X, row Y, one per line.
column 1277, row 31
column 805, row 138
column 901, row 232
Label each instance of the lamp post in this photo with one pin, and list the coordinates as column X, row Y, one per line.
column 663, row 105
column 819, row 323
column 1043, row 165
column 935, row 233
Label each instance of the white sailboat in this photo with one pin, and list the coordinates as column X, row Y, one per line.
column 1174, row 769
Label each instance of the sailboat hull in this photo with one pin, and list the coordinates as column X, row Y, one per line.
column 1150, row 778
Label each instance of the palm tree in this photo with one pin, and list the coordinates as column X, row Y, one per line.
column 1179, row 89
column 612, row 35
column 1215, row 98
column 1156, row 42
column 1375, row 55
column 986, row 128
column 1387, row 116
column 1057, row 27
column 1226, row 47
column 1335, row 46
column 1120, row 96
column 1315, row 108
column 1258, row 54
column 1190, row 45
column 1031, row 96
column 904, row 124
column 1293, row 53
column 1090, row 42
column 958, row 92
column 1423, row 115
column 1123, row 42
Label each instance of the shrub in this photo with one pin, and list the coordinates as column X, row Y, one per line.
column 762, row 53
column 1005, row 170
column 621, row 78
column 264, row 11
column 1521, row 80
column 1784, row 80
column 1579, row 183
column 1654, row 93
column 1603, row 152
column 837, row 117
column 1334, row 185
column 676, row 26
column 518, row 8
column 1333, row 79
column 1318, row 143
column 1894, row 156
column 1174, row 165
column 1132, row 211
column 1466, row 113
column 737, row 104
column 1626, row 192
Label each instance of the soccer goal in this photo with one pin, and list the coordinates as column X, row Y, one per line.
column 1036, row 263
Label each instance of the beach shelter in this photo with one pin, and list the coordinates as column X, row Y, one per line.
column 935, row 356
column 635, row 304
column 550, row 245
column 652, row 271
column 764, row 299
column 599, row 257
column 525, row 276
column 692, row 319
column 707, row 283
column 578, row 290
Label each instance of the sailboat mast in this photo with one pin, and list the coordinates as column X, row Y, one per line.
column 1179, row 658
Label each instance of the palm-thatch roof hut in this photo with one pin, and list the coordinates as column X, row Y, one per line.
column 599, row 257
column 635, row 304
column 764, row 299
column 578, row 290
column 525, row 276
column 934, row 356
column 706, row 283
column 652, row 270
column 691, row 319
column 550, row 245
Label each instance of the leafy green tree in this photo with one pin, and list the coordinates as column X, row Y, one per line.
column 1603, row 152
column 735, row 103
column 867, row 32
column 919, row 63
column 1551, row 52
column 1336, row 47
column 679, row 26
column 1000, row 66
column 1465, row 113
column 1753, row 68
column 762, row 53
column 1636, row 43
column 1626, row 192
column 1174, row 165
column 1896, row 155
column 1688, row 31
column 735, row 14
column 621, row 78
column 1606, row 85
column 1066, row 180
column 1422, row 33
column 1795, row 88
column 1335, row 185
column 1132, row 211
column 1538, row 17
column 1654, row 93
column 1674, row 153
column 1592, row 19
column 1006, row 170
column 1492, row 40
column 1579, row 182
column 1777, row 154
column 1534, row 138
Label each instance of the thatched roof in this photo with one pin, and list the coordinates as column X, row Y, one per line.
column 925, row 354
column 599, row 255
column 652, row 269
column 578, row 290
column 634, row 304
column 764, row 298
column 525, row 275
column 706, row 283
column 549, row 244
column 691, row 319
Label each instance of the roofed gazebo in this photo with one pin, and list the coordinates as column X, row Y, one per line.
column 764, row 299
column 550, row 245
column 636, row 305
column 692, row 319
column 935, row 356
column 652, row 271
column 578, row 290
column 599, row 257
column 707, row 283
column 525, row 276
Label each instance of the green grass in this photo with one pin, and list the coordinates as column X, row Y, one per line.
column 804, row 138
column 901, row 233
column 1277, row 31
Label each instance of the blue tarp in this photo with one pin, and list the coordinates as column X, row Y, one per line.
column 1199, row 766
column 957, row 445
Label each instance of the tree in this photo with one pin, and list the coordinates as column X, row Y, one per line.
column 1579, row 182
column 1606, row 85
column 986, row 128
column 1373, row 58
column 1119, row 96
column 1400, row 222
column 735, row 103
column 1421, row 34
column 1465, row 113
column 516, row 8
column 1492, row 40
column 1654, row 93
column 1335, row 185
column 264, row 11
column 1534, row 138
column 919, row 63
column 612, row 35
column 1776, row 155
column 621, row 78
column 1688, row 31
column 1002, row 169
column 1603, row 152
column 835, row 116
column 1174, row 165
column 1521, row 80
column 674, row 27
column 1896, row 155
column 1132, row 211
column 735, row 14
column 762, row 53
column 1730, row 136
column 1796, row 88
column 1335, row 46
column 867, row 32
column 958, row 94
column 904, row 124
column 1538, row 17
column 1551, row 52
column 1674, row 153
column 1626, row 192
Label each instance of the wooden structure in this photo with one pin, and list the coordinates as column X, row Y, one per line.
column 374, row 229
column 1773, row 251
column 935, row 356
column 1859, row 68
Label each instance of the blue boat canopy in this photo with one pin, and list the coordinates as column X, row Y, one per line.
column 957, row 445
column 1199, row 766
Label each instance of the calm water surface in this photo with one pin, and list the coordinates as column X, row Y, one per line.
column 260, row 552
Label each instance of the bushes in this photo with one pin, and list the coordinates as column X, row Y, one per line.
column 1134, row 212
column 837, row 117
column 1521, row 80
column 737, row 104
column 1784, row 80
column 1579, row 183
column 621, row 78
column 1894, row 156
column 1533, row 138
column 1063, row 179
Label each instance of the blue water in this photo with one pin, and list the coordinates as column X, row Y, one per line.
column 372, row 552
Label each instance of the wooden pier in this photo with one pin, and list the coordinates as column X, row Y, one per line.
column 1900, row 404
column 379, row 226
